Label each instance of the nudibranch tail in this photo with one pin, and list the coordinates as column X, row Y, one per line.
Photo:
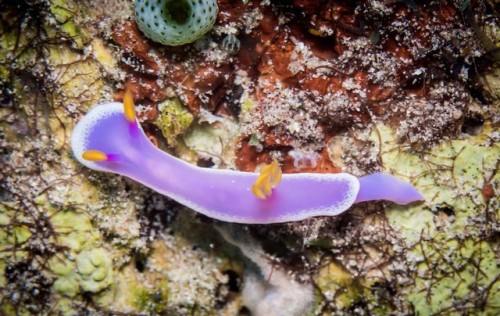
column 384, row 186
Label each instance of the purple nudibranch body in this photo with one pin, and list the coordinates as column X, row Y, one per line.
column 223, row 194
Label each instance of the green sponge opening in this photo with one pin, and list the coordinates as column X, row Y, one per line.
column 178, row 11
column 175, row 22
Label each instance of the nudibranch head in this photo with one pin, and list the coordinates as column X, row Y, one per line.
column 175, row 22
column 106, row 140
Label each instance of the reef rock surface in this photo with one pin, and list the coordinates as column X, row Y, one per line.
column 406, row 87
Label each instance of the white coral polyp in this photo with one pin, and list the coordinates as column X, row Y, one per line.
column 175, row 22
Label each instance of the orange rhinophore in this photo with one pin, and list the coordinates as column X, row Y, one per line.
column 128, row 106
column 94, row 155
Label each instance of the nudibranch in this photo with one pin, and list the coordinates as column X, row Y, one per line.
column 109, row 138
column 175, row 22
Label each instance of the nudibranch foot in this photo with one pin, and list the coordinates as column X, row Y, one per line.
column 225, row 195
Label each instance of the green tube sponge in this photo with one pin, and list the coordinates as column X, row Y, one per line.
column 175, row 22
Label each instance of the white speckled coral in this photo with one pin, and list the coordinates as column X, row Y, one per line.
column 175, row 22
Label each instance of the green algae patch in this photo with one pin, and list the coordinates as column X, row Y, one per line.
column 336, row 283
column 88, row 267
column 75, row 230
column 174, row 119
column 247, row 105
column 103, row 55
column 467, row 269
column 144, row 292
column 3, row 280
column 64, row 12
column 19, row 235
column 10, row 40
column 95, row 269
column 65, row 307
column 14, row 233
column 204, row 140
column 453, row 267
column 213, row 138
column 80, row 80
column 66, row 286
column 153, row 301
